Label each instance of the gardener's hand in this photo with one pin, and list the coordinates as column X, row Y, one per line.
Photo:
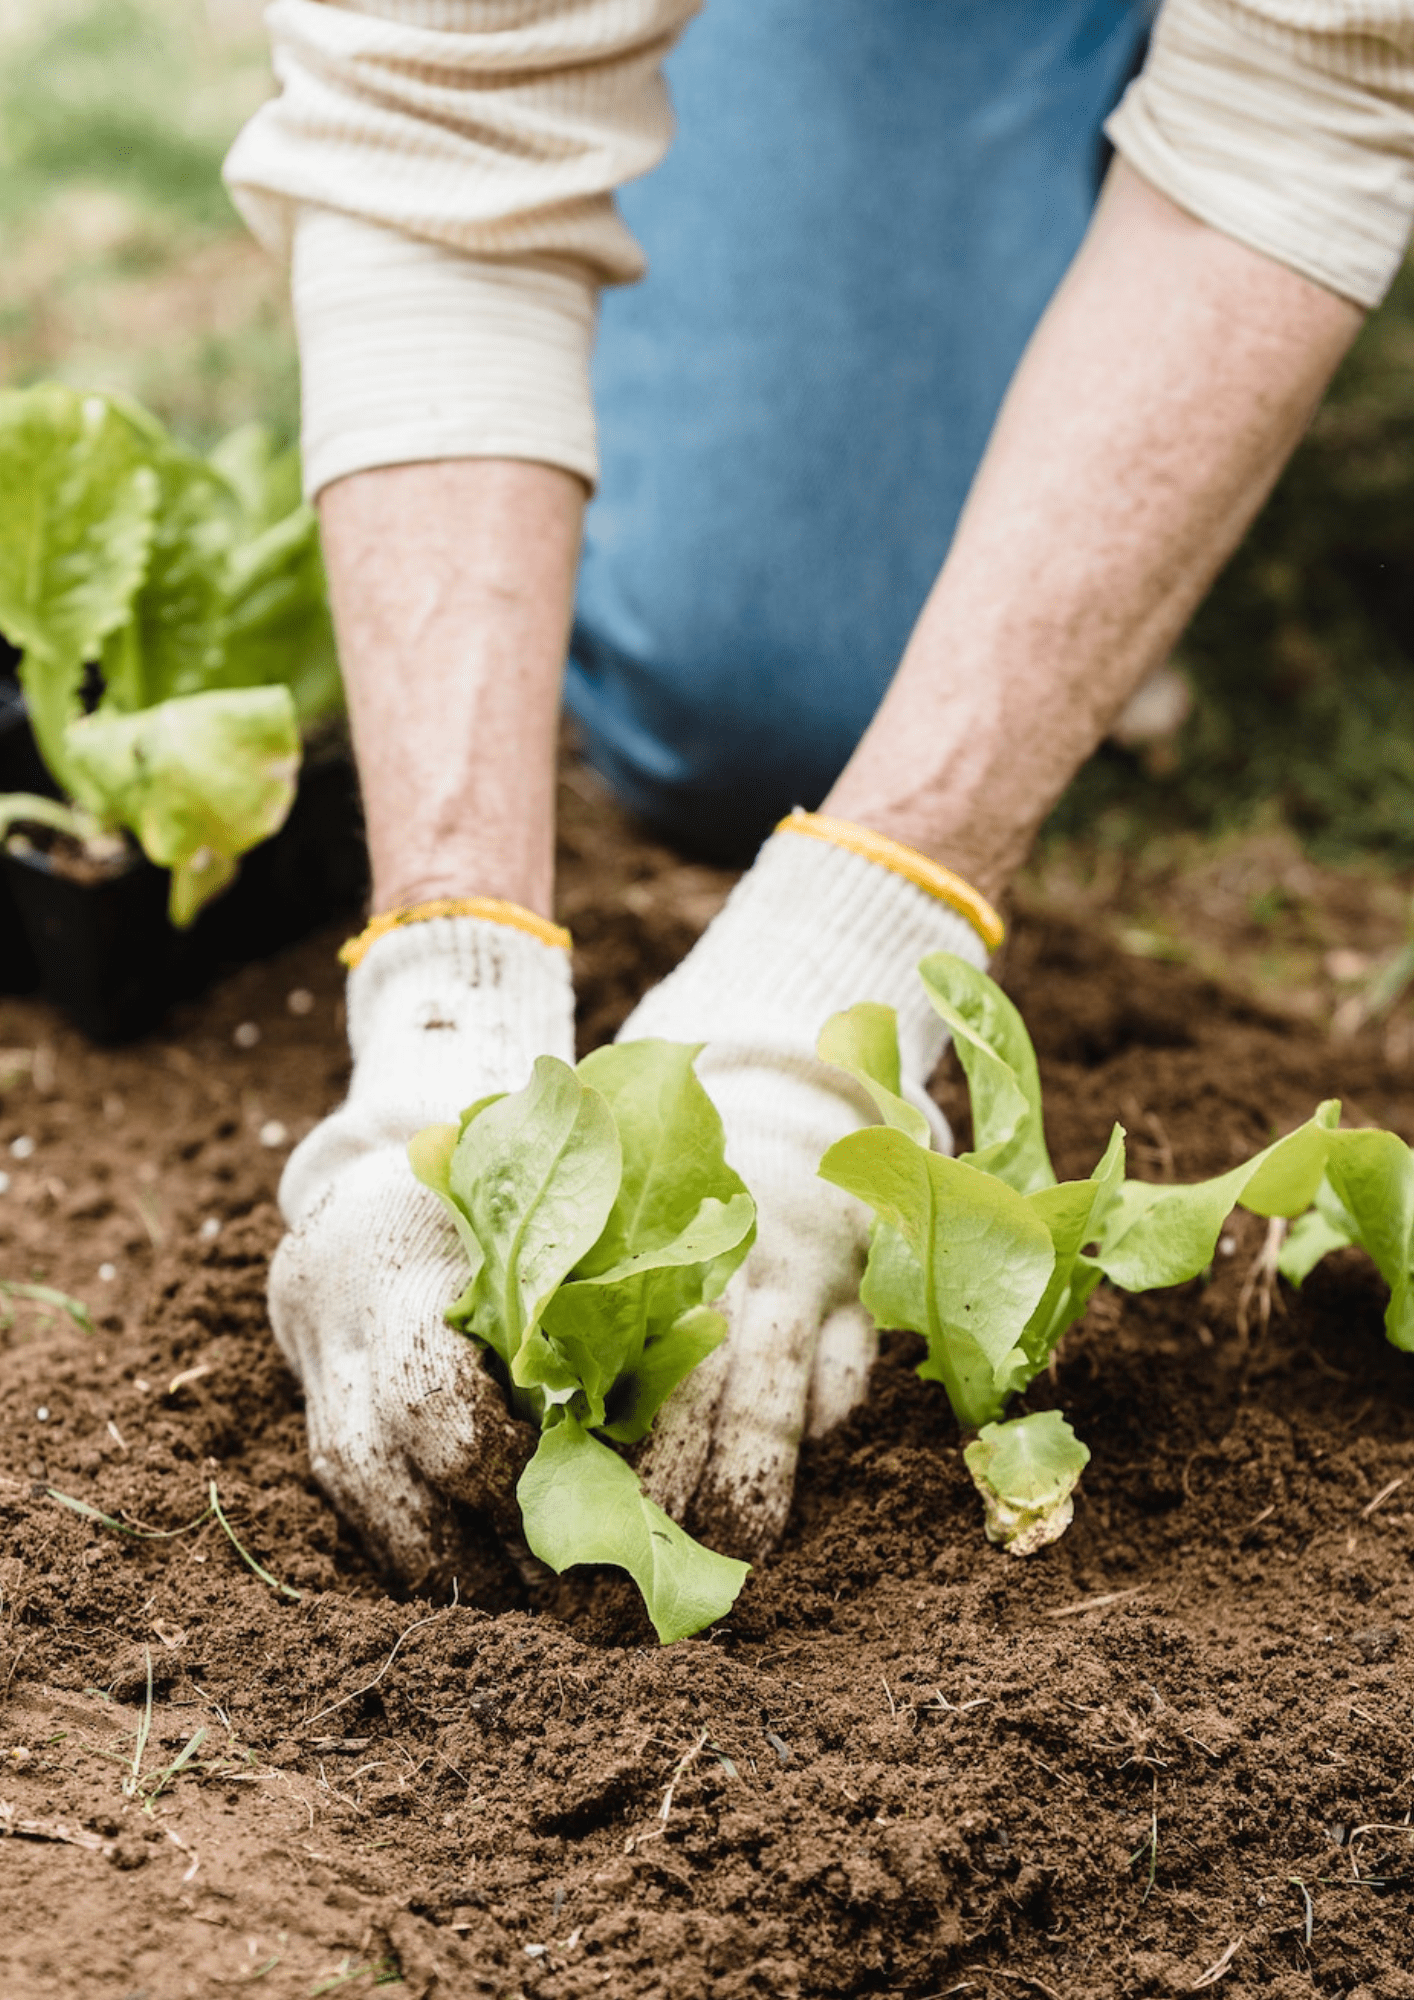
column 403, row 1419
column 811, row 929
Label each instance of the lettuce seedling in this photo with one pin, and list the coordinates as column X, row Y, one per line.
column 193, row 590
column 1366, row 1199
column 600, row 1219
column 990, row 1258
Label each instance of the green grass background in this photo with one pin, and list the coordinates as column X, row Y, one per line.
column 122, row 265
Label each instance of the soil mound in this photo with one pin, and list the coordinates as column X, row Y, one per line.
column 1174, row 1752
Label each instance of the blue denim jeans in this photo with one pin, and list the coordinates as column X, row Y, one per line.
column 868, row 204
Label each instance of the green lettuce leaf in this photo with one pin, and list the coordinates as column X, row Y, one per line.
column 667, row 1358
column 1026, row 1471
column 580, row 1503
column 673, row 1145
column 863, row 1041
column 598, row 1215
column 995, row 1051
column 599, row 1325
column 535, row 1175
column 681, row 1224
column 984, row 1258
column 173, row 640
column 198, row 780
column 77, row 507
column 1161, row 1234
column 1372, row 1176
column 430, row 1157
column 1073, row 1212
column 277, row 625
column 1312, row 1236
column 263, row 474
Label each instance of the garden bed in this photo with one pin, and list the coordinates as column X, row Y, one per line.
column 1175, row 1752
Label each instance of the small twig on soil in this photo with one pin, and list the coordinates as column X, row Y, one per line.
column 1022, row 1979
column 1218, row 1967
column 15, row 1828
column 1381, row 1497
column 1374, row 1826
column 1094, row 1603
column 189, row 1375
column 369, row 1686
column 150, row 1216
column 1202, row 1745
column 1297, row 1883
column 893, row 1707
column 1324, row 1367
column 285, row 1589
column 959, row 1707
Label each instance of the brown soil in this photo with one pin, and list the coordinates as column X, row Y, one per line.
column 1175, row 1751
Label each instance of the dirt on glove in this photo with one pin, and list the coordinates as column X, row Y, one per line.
column 1175, row 1752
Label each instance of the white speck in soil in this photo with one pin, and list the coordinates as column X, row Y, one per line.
column 273, row 1133
column 300, row 1001
column 1227, row 1245
column 210, row 1229
column 22, row 1148
column 246, row 1035
column 107, row 1273
column 42, row 1414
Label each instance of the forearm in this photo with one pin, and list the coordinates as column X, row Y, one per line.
column 452, row 585
column 1164, row 390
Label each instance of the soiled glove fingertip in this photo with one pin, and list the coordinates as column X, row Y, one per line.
column 745, row 1518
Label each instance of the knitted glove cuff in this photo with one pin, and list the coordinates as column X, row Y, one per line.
column 810, row 929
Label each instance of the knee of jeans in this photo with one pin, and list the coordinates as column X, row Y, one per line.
column 709, row 760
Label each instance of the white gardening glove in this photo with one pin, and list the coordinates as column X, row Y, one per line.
column 403, row 1419
column 810, row 929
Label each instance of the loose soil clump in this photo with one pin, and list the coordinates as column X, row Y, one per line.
column 1174, row 1752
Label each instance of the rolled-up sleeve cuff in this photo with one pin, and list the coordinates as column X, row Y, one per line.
column 1276, row 140
column 413, row 351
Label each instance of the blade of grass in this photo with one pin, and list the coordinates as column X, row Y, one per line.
column 256, row 1569
column 92, row 1513
column 155, row 1787
column 1151, row 1848
column 382, row 1970
column 144, row 1730
column 45, row 1295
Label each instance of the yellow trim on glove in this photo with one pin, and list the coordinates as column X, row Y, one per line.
column 489, row 908
column 930, row 876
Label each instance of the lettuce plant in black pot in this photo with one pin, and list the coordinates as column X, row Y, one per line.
column 176, row 658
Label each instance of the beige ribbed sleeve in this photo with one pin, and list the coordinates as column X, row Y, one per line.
column 443, row 172
column 1287, row 124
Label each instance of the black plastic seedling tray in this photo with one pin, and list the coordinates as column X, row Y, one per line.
column 20, row 771
column 103, row 950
